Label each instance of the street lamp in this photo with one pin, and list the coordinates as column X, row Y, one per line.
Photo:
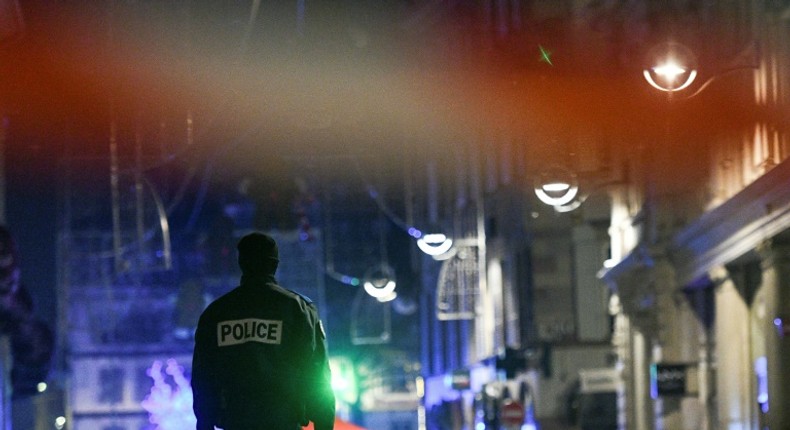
column 380, row 283
column 670, row 67
column 556, row 186
column 438, row 245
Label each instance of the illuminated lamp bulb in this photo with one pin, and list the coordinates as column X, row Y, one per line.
column 670, row 67
column 435, row 244
column 380, row 289
column 380, row 283
column 556, row 187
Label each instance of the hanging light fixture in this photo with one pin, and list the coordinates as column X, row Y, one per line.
column 670, row 67
column 435, row 244
column 556, row 186
column 380, row 283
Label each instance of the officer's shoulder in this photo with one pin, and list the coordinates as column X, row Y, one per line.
column 295, row 294
column 308, row 300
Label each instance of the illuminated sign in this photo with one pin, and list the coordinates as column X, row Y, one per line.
column 461, row 379
column 676, row 379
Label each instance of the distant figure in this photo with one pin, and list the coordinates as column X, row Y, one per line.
column 260, row 359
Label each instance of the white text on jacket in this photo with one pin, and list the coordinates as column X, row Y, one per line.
column 235, row 332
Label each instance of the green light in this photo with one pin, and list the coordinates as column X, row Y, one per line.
column 545, row 55
column 340, row 382
column 344, row 382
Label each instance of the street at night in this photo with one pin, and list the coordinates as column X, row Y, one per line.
column 506, row 214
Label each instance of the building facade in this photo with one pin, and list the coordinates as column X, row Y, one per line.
column 699, row 280
column 693, row 241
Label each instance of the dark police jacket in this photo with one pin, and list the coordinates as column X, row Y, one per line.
column 260, row 361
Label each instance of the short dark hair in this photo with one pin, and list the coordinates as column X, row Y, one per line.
column 258, row 253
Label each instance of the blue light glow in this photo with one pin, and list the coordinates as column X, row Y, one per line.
column 349, row 280
column 761, row 370
column 780, row 327
column 653, row 381
column 415, row 233
column 169, row 408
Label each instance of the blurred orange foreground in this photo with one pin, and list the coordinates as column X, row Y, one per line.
column 339, row 425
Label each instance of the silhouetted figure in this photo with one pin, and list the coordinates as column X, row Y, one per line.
column 260, row 359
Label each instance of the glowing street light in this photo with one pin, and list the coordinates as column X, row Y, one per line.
column 673, row 76
column 434, row 244
column 556, row 187
column 380, row 283
column 437, row 245
column 670, row 67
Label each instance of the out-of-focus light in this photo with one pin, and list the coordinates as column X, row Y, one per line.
column 41, row 387
column 555, row 197
column 434, row 244
column 609, row 263
column 169, row 407
column 670, row 74
column 669, row 71
column 556, row 186
column 349, row 280
column 569, row 207
column 380, row 283
column 653, row 382
column 344, row 381
column 761, row 370
column 388, row 298
column 380, row 290
column 60, row 422
column 545, row 55
column 670, row 67
column 415, row 233
column 780, row 327
column 435, row 238
column 339, row 382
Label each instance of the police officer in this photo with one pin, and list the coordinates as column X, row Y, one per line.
column 260, row 360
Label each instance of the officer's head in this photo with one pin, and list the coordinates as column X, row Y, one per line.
column 258, row 254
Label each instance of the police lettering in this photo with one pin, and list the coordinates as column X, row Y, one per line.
column 249, row 330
